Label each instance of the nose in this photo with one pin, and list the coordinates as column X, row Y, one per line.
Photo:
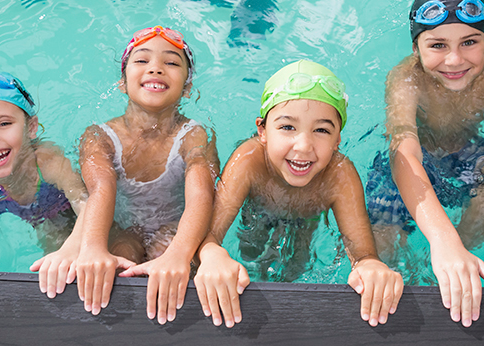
column 454, row 58
column 156, row 68
column 303, row 143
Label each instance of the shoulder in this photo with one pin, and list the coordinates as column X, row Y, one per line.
column 247, row 159
column 341, row 172
column 95, row 138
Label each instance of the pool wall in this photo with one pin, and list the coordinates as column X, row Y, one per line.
column 273, row 314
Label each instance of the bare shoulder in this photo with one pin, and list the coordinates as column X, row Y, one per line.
column 95, row 139
column 341, row 172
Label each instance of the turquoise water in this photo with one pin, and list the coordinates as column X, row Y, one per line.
column 67, row 54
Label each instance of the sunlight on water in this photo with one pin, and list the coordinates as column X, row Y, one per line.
column 68, row 56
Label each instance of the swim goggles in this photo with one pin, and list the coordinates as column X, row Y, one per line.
column 12, row 90
column 435, row 12
column 299, row 83
column 172, row 36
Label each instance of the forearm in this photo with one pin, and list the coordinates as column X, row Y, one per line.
column 421, row 201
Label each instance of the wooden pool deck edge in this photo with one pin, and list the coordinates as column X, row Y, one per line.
column 273, row 314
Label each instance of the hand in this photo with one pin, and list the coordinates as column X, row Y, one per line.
column 56, row 270
column 167, row 284
column 95, row 277
column 380, row 289
column 458, row 271
column 219, row 281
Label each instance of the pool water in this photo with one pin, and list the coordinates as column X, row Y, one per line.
column 67, row 53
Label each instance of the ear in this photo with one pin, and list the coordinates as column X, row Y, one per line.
column 261, row 130
column 338, row 142
column 122, row 85
column 186, row 90
column 33, row 126
column 415, row 49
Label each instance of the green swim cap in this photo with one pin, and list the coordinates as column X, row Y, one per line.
column 305, row 80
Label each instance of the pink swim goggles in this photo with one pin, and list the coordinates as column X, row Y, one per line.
column 172, row 36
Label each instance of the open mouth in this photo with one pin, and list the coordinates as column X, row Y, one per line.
column 454, row 75
column 4, row 155
column 155, row 86
column 300, row 166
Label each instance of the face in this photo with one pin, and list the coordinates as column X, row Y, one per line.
column 452, row 53
column 300, row 137
column 155, row 75
column 14, row 133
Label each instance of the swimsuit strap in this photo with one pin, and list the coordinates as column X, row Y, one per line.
column 41, row 178
column 118, row 148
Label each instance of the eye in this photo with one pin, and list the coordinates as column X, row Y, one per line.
column 173, row 63
column 469, row 43
column 287, row 127
column 322, row 130
column 141, row 61
column 438, row 45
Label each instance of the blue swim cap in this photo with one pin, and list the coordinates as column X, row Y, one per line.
column 12, row 90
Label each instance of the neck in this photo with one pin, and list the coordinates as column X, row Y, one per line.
column 138, row 118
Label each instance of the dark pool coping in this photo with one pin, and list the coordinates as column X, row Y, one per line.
column 273, row 314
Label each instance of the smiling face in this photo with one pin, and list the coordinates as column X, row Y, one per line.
column 155, row 75
column 14, row 133
column 452, row 53
column 300, row 137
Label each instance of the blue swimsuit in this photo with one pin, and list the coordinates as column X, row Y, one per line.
column 49, row 201
column 454, row 178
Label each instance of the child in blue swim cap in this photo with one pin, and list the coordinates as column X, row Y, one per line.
column 434, row 113
column 285, row 179
column 37, row 183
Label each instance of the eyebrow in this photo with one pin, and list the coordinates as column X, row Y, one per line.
column 150, row 50
column 319, row 121
column 441, row 39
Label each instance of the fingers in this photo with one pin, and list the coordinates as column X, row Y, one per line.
column 476, row 296
column 397, row 294
column 36, row 265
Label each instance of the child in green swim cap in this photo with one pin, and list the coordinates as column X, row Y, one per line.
column 434, row 113
column 284, row 179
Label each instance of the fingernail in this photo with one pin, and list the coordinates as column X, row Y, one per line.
column 382, row 320
column 366, row 317
column 171, row 317
column 50, row 294
column 179, row 306
column 43, row 290
column 229, row 324
column 88, row 308
column 151, row 315
column 475, row 317
column 455, row 317
column 392, row 310
column 237, row 319
column 217, row 322
column 240, row 289
column 373, row 322
column 206, row 313
column 103, row 305
column 161, row 320
column 96, row 311
column 467, row 322
column 358, row 289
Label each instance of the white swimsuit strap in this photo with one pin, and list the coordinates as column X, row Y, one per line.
column 177, row 141
column 118, row 148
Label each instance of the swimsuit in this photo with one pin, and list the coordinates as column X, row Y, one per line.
column 455, row 179
column 274, row 248
column 155, row 203
column 49, row 201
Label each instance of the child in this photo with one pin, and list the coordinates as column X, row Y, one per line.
column 289, row 174
column 434, row 116
column 37, row 182
column 152, row 170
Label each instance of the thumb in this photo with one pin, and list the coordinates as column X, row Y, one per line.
column 124, row 263
column 355, row 281
column 133, row 270
column 481, row 267
column 243, row 279
column 36, row 265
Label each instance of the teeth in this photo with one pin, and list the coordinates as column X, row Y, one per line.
column 155, row 85
column 300, row 165
column 4, row 154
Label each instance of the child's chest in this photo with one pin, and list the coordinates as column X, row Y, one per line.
column 145, row 159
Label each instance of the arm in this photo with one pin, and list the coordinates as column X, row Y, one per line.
column 169, row 273
column 95, row 265
column 220, row 280
column 456, row 269
column 380, row 287
column 58, row 268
